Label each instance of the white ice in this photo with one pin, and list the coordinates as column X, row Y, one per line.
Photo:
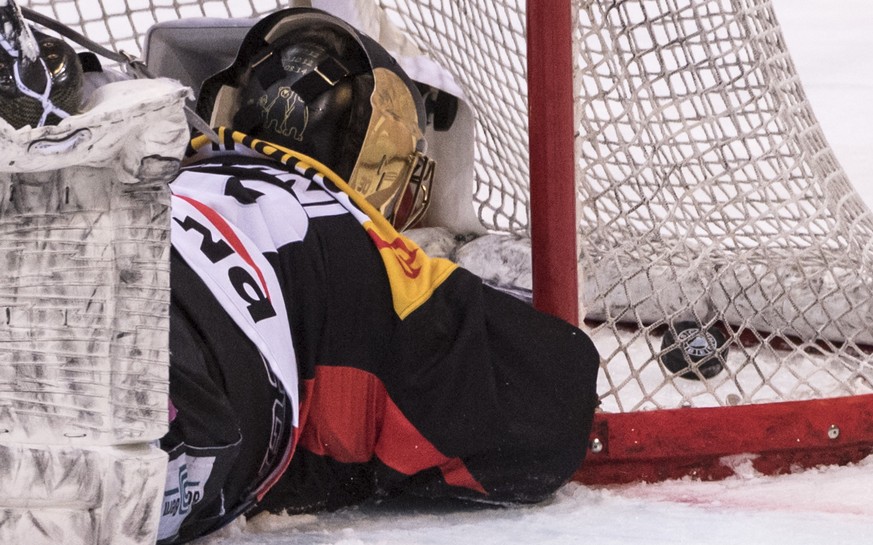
column 830, row 41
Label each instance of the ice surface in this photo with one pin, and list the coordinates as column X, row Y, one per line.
column 827, row 506
column 830, row 41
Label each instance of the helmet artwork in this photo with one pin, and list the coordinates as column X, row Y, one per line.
column 40, row 76
column 307, row 81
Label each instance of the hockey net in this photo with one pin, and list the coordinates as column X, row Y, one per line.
column 706, row 193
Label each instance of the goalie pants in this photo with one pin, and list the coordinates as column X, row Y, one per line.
column 474, row 395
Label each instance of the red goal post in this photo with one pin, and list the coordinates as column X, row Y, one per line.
column 554, row 254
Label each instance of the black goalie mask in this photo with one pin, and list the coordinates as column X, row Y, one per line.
column 307, row 81
column 40, row 76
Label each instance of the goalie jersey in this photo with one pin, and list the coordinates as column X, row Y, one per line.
column 319, row 358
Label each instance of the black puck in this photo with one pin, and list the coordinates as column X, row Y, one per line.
column 692, row 352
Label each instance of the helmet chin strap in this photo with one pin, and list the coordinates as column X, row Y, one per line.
column 323, row 77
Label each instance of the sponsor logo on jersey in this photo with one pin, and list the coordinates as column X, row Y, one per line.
column 233, row 266
column 412, row 274
column 406, row 256
column 186, row 478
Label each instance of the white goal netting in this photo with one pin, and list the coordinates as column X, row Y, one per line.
column 707, row 191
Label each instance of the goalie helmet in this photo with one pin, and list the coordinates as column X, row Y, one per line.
column 40, row 75
column 307, row 81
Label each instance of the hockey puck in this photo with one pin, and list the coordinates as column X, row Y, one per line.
column 691, row 352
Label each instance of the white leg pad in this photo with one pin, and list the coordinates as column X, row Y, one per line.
column 52, row 495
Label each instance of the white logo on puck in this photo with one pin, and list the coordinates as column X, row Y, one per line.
column 697, row 343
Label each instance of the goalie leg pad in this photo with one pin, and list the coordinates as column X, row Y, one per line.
column 80, row 495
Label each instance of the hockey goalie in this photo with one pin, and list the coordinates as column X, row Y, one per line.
column 318, row 357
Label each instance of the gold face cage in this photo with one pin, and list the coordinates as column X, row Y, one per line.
column 392, row 172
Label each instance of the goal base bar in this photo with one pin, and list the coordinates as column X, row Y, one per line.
column 713, row 443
